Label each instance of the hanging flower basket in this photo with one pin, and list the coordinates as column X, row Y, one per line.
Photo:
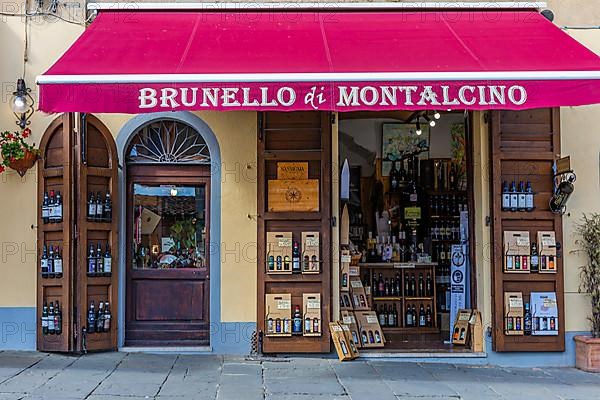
column 24, row 164
column 16, row 153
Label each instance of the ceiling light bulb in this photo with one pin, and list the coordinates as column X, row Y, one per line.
column 436, row 115
column 432, row 123
column 173, row 192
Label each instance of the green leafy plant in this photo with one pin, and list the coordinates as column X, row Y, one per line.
column 184, row 232
column 589, row 243
column 13, row 147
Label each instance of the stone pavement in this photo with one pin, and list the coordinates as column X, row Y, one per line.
column 132, row 376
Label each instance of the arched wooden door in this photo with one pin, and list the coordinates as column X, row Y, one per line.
column 73, row 164
column 167, row 267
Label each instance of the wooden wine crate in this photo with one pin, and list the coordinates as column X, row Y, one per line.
column 292, row 170
column 293, row 195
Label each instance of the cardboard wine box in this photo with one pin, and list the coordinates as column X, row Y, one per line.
column 371, row 335
column 513, row 313
column 360, row 299
column 340, row 342
column 517, row 251
column 461, row 330
column 279, row 252
column 476, row 332
column 547, row 251
column 311, row 258
column 544, row 313
column 293, row 170
column 346, row 301
column 349, row 340
column 349, row 320
column 293, row 195
column 278, row 314
column 312, row 314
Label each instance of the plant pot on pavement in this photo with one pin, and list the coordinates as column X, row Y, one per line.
column 24, row 164
column 587, row 353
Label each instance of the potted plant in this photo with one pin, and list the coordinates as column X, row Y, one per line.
column 16, row 153
column 587, row 348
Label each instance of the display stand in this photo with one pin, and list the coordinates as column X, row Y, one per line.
column 524, row 146
column 282, row 138
column 76, row 162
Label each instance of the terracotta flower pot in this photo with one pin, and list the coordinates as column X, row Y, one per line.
column 587, row 353
column 25, row 163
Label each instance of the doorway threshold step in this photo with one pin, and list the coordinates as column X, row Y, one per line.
column 420, row 354
column 167, row 349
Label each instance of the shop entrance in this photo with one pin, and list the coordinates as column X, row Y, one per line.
column 410, row 213
column 167, row 252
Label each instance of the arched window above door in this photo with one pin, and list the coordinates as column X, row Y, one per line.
column 167, row 141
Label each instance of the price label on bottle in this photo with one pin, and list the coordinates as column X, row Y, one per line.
column 346, row 258
column 313, row 304
column 284, row 305
column 372, row 319
column 284, row 242
column 312, row 241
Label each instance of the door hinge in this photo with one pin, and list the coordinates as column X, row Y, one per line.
column 260, row 126
column 333, row 221
column 83, row 140
column 332, row 118
column 75, row 231
column 488, row 220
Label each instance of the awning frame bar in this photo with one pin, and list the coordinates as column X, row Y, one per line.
column 320, row 77
column 295, row 6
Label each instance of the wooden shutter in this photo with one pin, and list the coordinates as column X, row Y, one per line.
column 76, row 163
column 97, row 171
column 295, row 136
column 55, row 172
column 524, row 146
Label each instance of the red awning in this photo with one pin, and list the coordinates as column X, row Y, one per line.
column 147, row 61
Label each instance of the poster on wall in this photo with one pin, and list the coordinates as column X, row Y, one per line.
column 459, row 155
column 401, row 140
column 458, row 282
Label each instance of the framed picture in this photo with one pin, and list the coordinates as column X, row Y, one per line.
column 401, row 140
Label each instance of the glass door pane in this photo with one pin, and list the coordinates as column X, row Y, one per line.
column 169, row 227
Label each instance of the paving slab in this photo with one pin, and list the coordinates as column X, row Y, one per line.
column 29, row 379
column 13, row 362
column 138, row 374
column 12, row 396
column 81, row 377
column 193, row 377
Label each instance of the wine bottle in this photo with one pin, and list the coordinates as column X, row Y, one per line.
column 107, row 261
column 44, row 262
column 107, row 208
column 46, row 209
column 91, row 207
column 58, row 263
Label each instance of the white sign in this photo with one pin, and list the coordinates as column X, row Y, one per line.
column 317, row 97
column 458, row 282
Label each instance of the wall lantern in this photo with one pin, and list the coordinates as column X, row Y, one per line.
column 22, row 103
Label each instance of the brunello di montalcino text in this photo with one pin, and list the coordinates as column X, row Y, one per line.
column 441, row 96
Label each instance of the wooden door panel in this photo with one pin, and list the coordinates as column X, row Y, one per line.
column 167, row 307
column 524, row 146
column 182, row 301
column 55, row 172
column 97, row 172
